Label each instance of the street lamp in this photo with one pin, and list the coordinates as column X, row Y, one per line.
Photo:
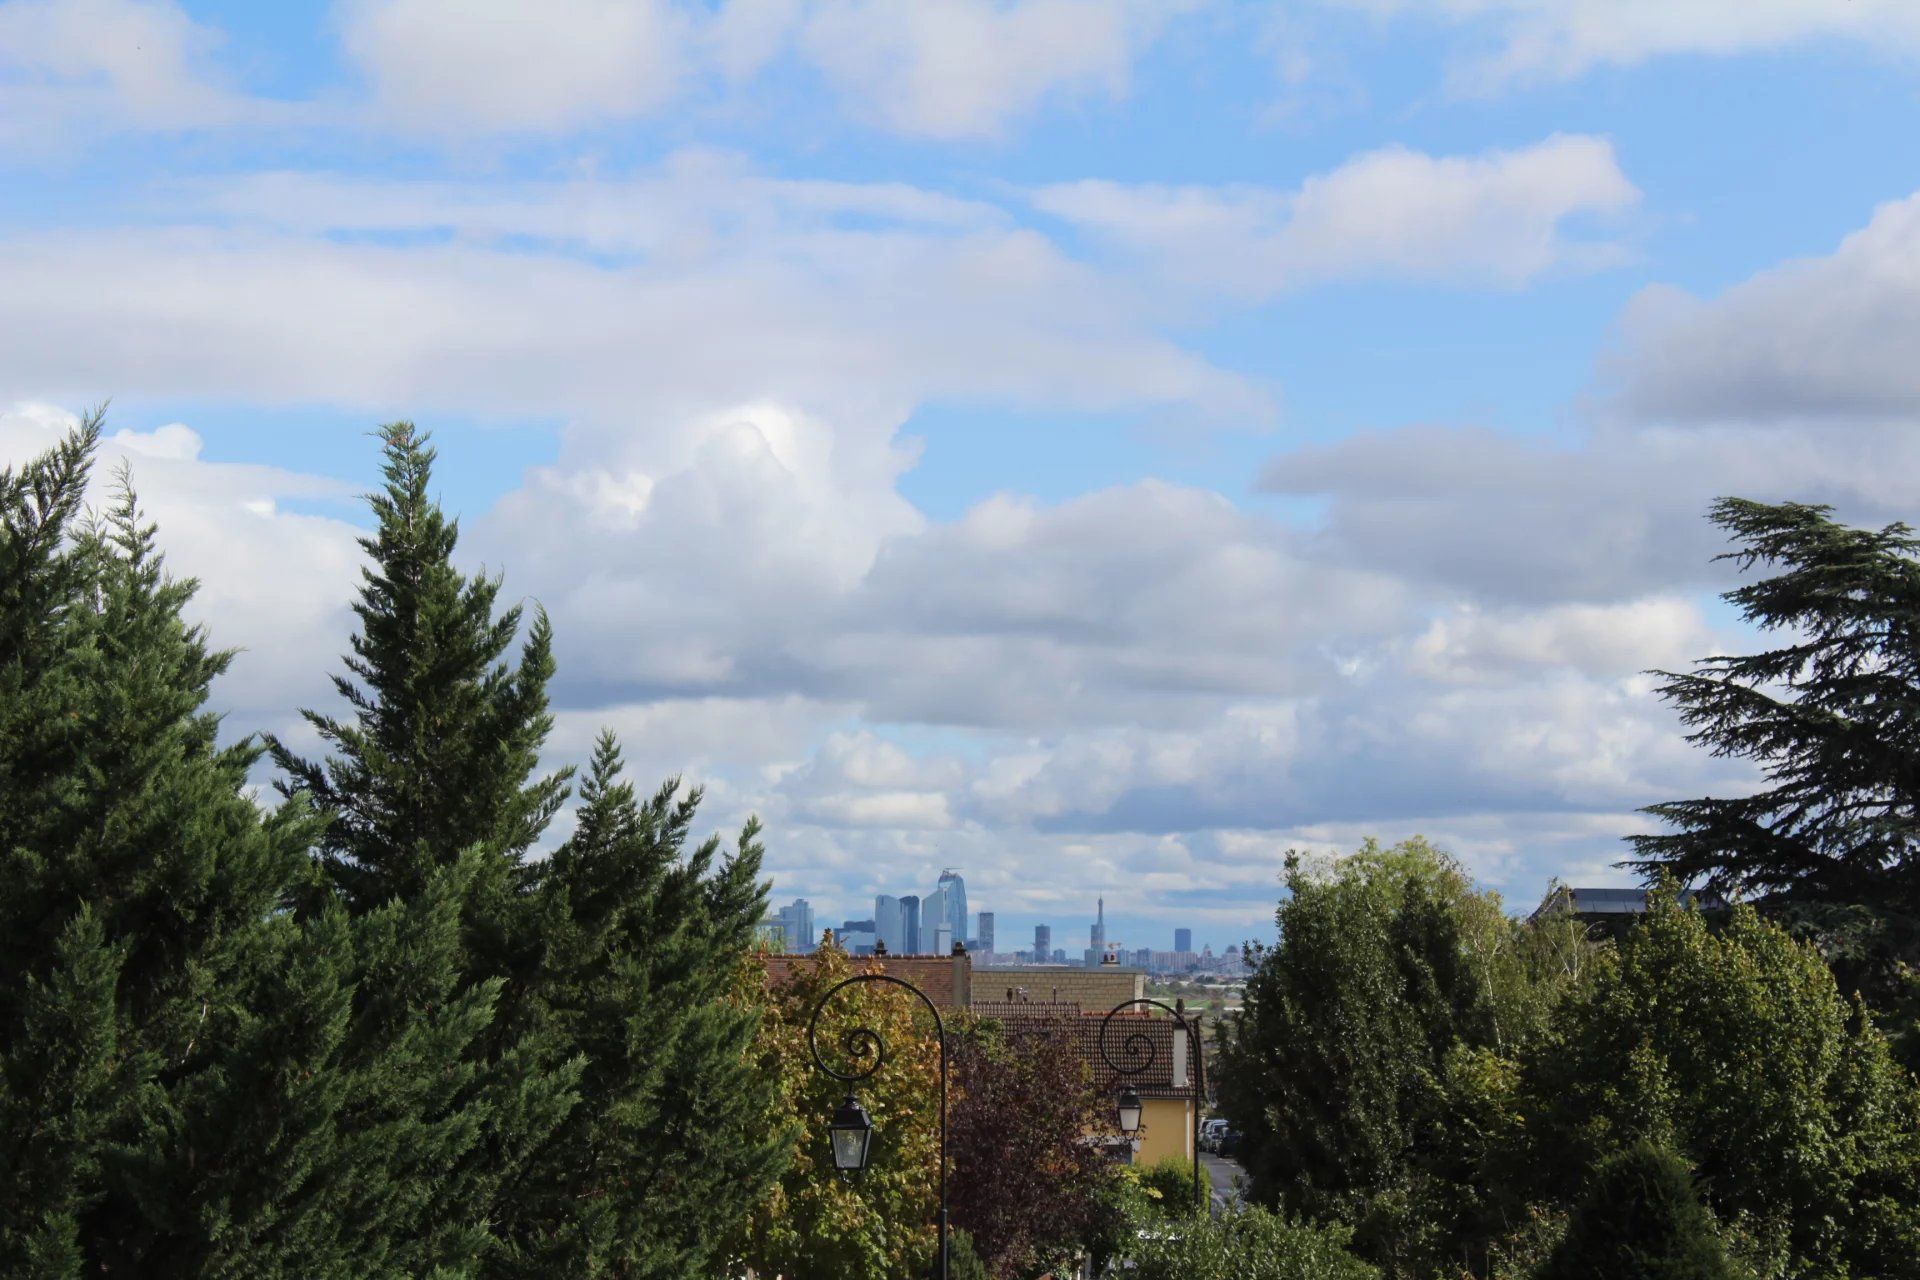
column 851, row 1132
column 1139, row 1049
column 852, row 1136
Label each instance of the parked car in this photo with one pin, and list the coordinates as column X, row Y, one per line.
column 1229, row 1143
column 1210, row 1131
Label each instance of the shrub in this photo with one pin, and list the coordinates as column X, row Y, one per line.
column 1640, row 1219
column 1246, row 1244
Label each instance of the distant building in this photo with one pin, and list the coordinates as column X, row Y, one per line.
column 933, row 916
column 909, row 925
column 796, row 920
column 889, row 924
column 1614, row 910
column 1097, row 936
column 985, row 935
column 1183, row 939
column 955, row 888
column 1042, row 943
column 942, row 938
column 856, row 937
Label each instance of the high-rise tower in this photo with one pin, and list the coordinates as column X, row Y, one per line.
column 956, row 890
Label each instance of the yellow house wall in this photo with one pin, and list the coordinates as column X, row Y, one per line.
column 1166, row 1129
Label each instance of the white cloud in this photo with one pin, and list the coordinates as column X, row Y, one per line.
column 1822, row 338
column 1495, row 218
column 93, row 65
column 1560, row 39
column 968, row 68
column 274, row 583
column 482, row 66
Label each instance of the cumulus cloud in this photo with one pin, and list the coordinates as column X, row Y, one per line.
column 1496, row 218
column 1617, row 515
column 274, row 582
column 1559, row 39
column 1821, row 338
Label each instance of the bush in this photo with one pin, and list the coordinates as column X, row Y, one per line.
column 1246, row 1244
column 1169, row 1184
column 1640, row 1220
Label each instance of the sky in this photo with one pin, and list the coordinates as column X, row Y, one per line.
column 1097, row 445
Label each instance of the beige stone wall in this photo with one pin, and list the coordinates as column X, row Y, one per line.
column 1094, row 990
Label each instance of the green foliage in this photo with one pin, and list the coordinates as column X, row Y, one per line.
column 816, row 1224
column 1735, row 1049
column 1640, row 1219
column 963, row 1261
column 1168, row 1183
column 1371, row 1072
column 644, row 976
column 1245, row 1244
column 1832, row 718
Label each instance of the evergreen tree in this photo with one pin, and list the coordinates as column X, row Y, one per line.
column 645, row 977
column 1832, row 718
column 169, row 1074
column 1640, row 1219
column 431, row 791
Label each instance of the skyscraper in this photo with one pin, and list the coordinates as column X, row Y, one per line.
column 1042, row 943
column 1097, row 937
column 889, row 926
column 986, row 931
column 933, row 918
column 796, row 920
column 956, row 913
column 909, row 924
column 1183, row 939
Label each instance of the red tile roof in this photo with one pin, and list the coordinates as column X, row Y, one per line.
column 1133, row 1040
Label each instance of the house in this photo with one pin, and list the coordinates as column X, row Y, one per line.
column 1166, row 1079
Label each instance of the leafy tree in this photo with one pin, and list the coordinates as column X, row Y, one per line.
column 1735, row 1049
column 645, row 976
column 1246, row 1244
column 1832, row 718
column 1027, row 1184
column 817, row 1224
column 1640, row 1219
column 1370, row 1070
column 1169, row 1184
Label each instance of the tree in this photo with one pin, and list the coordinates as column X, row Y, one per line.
column 1640, row 1219
column 1735, row 1049
column 431, row 791
column 171, row 1084
column 1247, row 1244
column 645, row 976
column 817, row 1224
column 1832, row 719
column 1368, row 1071
column 1028, row 1180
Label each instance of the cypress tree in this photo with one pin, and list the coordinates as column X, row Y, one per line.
column 430, row 790
column 1640, row 1219
column 644, row 976
column 170, row 1075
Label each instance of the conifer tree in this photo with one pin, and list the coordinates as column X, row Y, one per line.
column 1640, row 1219
column 1833, row 718
column 170, row 1035
column 645, row 977
column 431, row 788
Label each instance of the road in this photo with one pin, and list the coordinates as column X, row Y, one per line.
column 1225, row 1176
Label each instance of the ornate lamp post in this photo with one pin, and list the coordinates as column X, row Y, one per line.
column 852, row 1130
column 1138, row 1049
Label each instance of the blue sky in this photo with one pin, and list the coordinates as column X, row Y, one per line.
column 1096, row 444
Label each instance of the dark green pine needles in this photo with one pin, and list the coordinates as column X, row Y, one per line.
column 369, row 1033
